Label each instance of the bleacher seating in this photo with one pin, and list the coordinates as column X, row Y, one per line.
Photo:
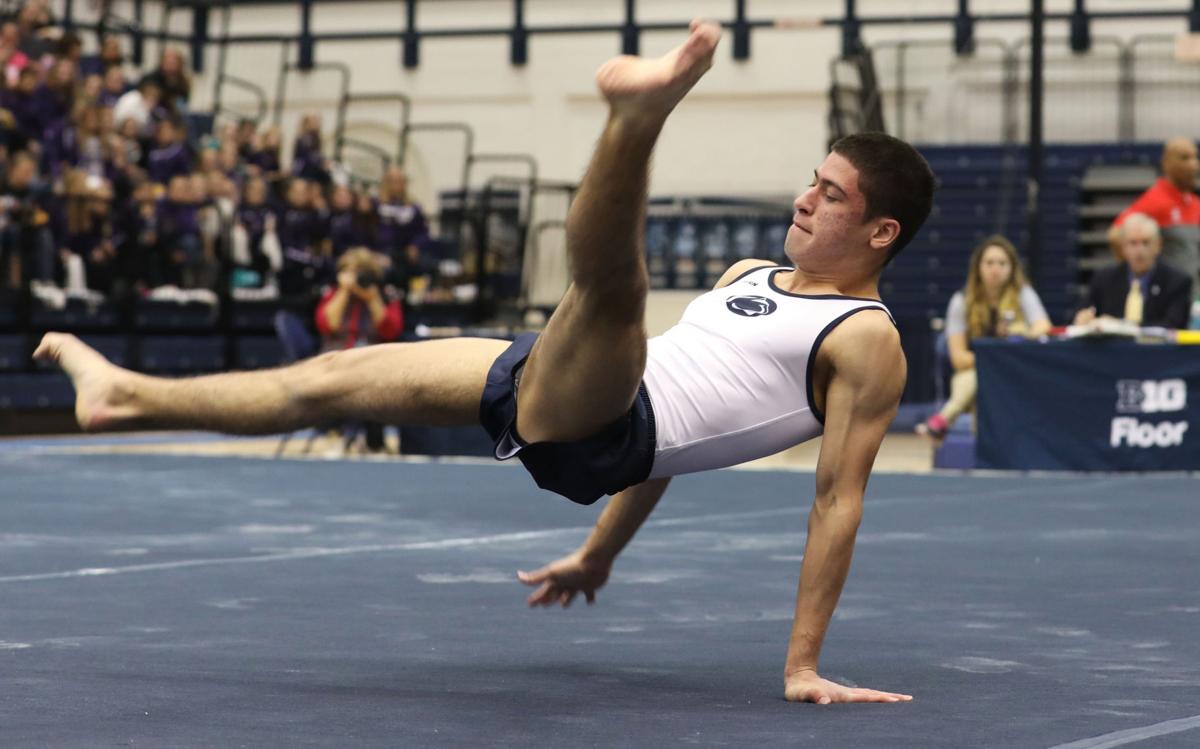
column 258, row 352
column 981, row 191
column 14, row 352
column 27, row 391
column 74, row 315
column 166, row 354
column 173, row 317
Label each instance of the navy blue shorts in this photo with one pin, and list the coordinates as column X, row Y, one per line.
column 618, row 456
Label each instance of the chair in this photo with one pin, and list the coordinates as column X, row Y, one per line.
column 298, row 344
column 958, row 450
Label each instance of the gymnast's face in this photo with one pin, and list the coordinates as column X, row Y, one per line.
column 828, row 230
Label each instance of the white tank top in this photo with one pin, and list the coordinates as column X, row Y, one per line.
column 732, row 381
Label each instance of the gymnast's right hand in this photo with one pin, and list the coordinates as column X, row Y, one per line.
column 562, row 580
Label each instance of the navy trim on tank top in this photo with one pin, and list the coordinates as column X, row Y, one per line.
column 771, row 283
column 755, row 269
column 812, row 355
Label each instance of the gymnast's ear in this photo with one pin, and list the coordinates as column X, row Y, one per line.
column 887, row 231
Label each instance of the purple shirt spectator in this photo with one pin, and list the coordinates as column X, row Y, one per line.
column 108, row 99
column 167, row 162
column 401, row 225
column 27, row 110
column 307, row 161
column 267, row 161
column 52, row 106
column 253, row 219
column 176, row 220
column 304, row 271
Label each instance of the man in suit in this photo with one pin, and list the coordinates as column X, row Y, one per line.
column 1142, row 289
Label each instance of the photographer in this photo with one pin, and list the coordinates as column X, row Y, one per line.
column 359, row 312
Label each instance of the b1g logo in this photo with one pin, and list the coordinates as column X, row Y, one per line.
column 1149, row 397
column 750, row 306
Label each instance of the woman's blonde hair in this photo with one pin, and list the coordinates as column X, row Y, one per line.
column 360, row 259
column 979, row 311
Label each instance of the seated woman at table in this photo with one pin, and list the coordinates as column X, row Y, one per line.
column 996, row 303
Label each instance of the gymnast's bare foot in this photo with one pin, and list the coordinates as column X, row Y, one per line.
column 646, row 90
column 103, row 391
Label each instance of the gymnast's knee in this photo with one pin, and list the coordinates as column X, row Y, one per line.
column 316, row 382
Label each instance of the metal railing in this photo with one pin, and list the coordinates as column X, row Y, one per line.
column 1122, row 90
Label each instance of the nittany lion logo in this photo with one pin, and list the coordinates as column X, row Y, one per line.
column 750, row 306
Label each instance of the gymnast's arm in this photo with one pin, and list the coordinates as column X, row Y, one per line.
column 586, row 569
column 866, row 377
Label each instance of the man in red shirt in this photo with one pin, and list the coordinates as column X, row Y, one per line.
column 1172, row 202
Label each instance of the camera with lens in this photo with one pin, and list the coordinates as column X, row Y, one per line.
column 366, row 279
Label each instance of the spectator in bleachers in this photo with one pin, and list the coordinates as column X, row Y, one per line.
column 91, row 150
column 180, row 253
column 173, row 80
column 1172, row 203
column 54, row 103
column 32, row 22
column 358, row 312
column 230, row 164
column 256, row 253
column 112, row 88
column 996, row 303
column 320, row 212
column 89, row 90
column 89, row 229
column 22, row 101
column 111, row 53
column 305, row 268
column 27, row 249
column 70, row 47
column 10, row 51
column 1143, row 289
column 56, row 96
column 243, row 132
column 366, row 220
column 253, row 211
column 307, row 160
column 170, row 158
column 345, row 231
column 207, row 161
column 137, row 237
column 208, row 218
column 125, row 154
column 140, row 105
column 403, row 230
column 264, row 153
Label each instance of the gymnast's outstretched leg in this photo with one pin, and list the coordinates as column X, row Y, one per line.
column 432, row 383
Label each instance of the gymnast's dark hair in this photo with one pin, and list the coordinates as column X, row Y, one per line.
column 894, row 179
